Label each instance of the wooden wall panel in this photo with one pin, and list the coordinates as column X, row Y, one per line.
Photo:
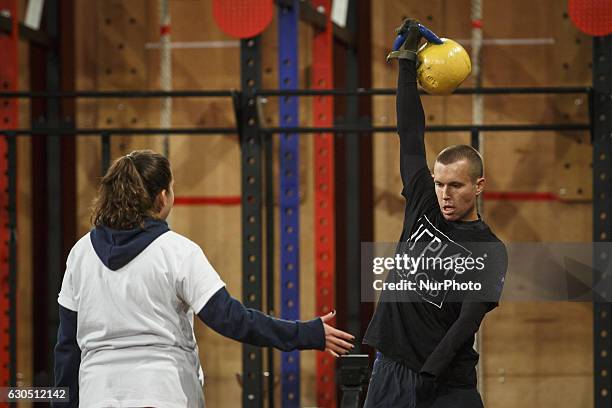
column 110, row 56
column 524, row 362
column 544, row 357
column 540, row 391
column 122, row 65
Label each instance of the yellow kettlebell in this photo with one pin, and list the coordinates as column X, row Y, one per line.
column 442, row 67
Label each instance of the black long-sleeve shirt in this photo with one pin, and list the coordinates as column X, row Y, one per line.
column 432, row 332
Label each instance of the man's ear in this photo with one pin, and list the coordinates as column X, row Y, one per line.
column 480, row 185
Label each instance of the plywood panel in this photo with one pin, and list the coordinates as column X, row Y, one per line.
column 88, row 167
column 534, row 221
column 574, row 169
column 110, row 56
column 550, row 341
column 573, row 391
column 121, row 64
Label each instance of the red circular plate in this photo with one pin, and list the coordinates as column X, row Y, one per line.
column 592, row 17
column 243, row 18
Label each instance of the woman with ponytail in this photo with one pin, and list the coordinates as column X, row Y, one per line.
column 130, row 291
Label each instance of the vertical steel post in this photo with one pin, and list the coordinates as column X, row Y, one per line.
column 251, row 157
column 602, row 214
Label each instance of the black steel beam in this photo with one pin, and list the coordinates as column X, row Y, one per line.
column 55, row 199
column 68, row 113
column 119, row 94
column 36, row 37
column 348, row 219
column 12, row 210
column 602, row 215
column 38, row 167
column 123, row 131
column 252, row 230
column 105, row 147
column 460, row 91
column 337, row 129
column 440, row 128
column 270, row 246
column 296, row 92
column 311, row 15
column 366, row 155
column 6, row 24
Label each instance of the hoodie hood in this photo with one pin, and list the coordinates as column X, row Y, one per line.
column 117, row 248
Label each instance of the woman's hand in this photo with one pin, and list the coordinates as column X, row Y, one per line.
column 335, row 340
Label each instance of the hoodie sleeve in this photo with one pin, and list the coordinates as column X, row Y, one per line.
column 66, row 296
column 67, row 357
column 230, row 318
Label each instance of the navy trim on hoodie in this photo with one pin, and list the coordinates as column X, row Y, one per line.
column 117, row 248
column 67, row 357
column 230, row 318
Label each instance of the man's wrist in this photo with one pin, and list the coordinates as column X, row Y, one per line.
column 428, row 375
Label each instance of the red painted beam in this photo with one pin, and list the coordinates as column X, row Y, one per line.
column 488, row 195
column 520, row 196
column 206, row 200
column 9, row 116
column 325, row 203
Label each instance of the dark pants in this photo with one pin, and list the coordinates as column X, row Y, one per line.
column 393, row 385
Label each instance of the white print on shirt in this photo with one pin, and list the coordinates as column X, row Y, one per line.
column 437, row 246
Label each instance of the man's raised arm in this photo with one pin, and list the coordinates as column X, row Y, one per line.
column 410, row 115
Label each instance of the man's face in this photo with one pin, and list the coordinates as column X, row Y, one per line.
column 457, row 191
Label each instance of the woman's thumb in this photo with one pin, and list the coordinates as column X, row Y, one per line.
column 328, row 316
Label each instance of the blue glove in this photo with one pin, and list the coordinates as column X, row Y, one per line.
column 399, row 40
column 429, row 35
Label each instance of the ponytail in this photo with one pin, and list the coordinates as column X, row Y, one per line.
column 128, row 191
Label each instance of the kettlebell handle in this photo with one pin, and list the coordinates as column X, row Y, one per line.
column 429, row 35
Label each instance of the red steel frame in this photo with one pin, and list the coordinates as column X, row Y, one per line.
column 325, row 253
column 8, row 120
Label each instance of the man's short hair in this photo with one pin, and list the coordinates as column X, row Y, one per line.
column 456, row 153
